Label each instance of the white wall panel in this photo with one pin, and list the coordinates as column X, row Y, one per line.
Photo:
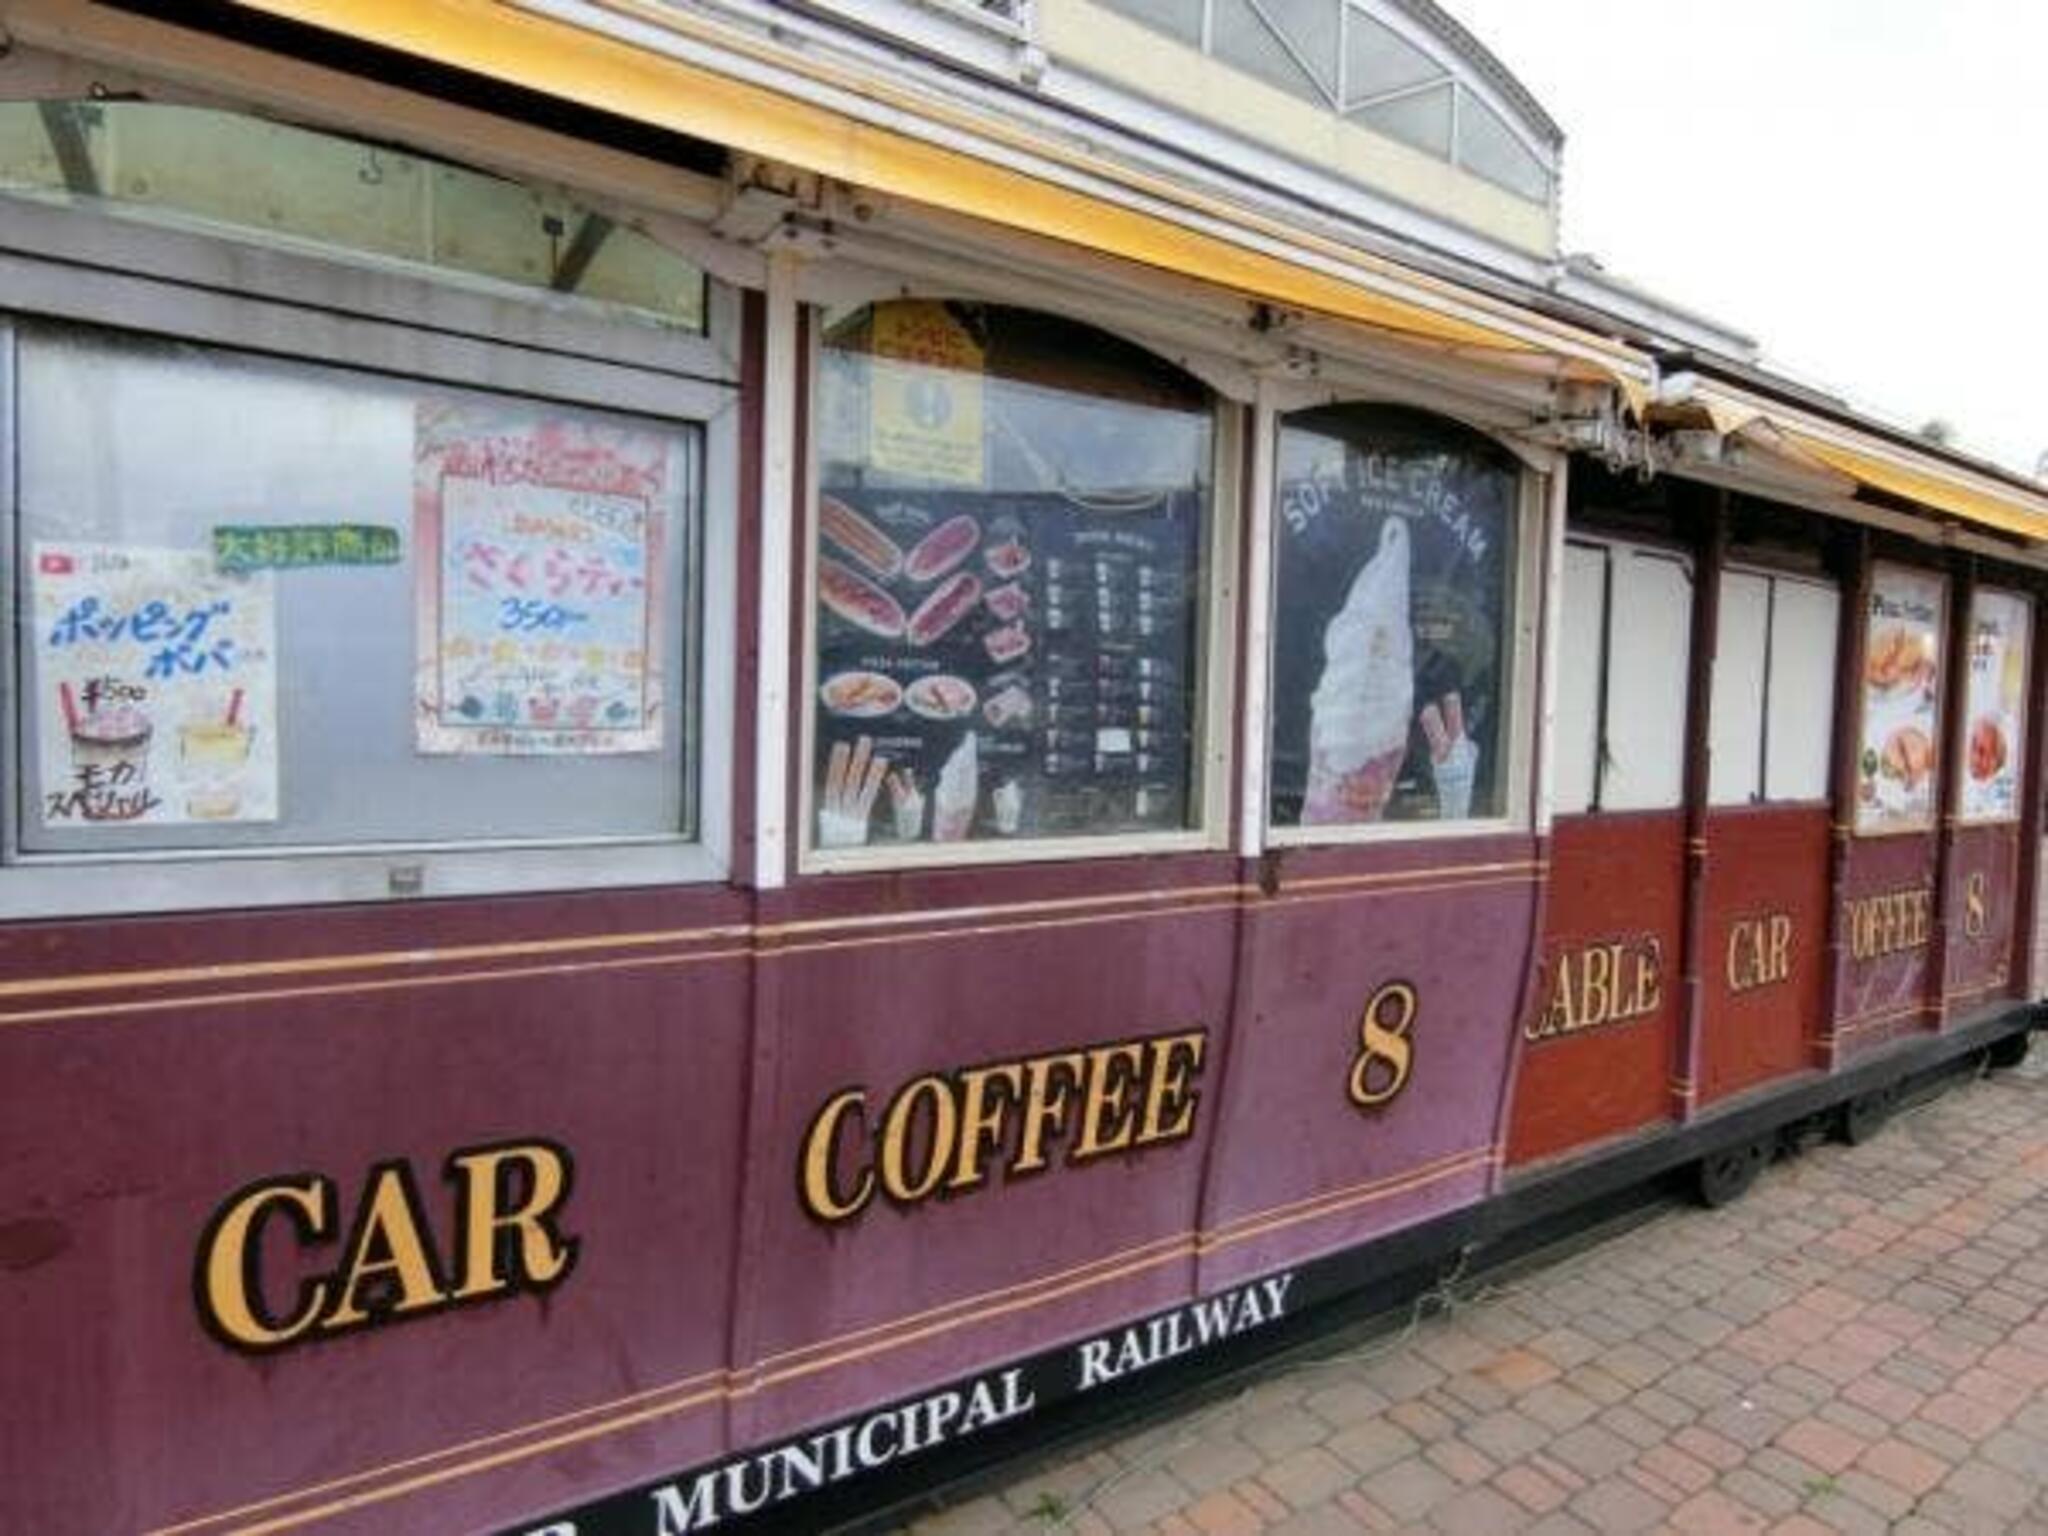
column 1649, row 649
column 1583, row 624
column 1805, row 621
column 1735, row 734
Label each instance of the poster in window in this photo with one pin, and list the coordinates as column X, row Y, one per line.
column 540, row 596
column 1994, row 738
column 925, row 391
column 1395, row 550
column 155, row 687
column 1899, row 752
column 1004, row 665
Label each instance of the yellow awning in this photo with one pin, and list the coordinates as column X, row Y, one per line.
column 1867, row 458
column 558, row 59
column 1946, row 491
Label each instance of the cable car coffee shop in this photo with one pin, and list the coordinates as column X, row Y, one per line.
column 755, row 748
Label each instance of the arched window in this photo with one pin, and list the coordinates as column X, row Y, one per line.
column 1414, row 78
column 1394, row 627
column 1012, row 582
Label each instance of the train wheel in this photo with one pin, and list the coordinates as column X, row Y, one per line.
column 1864, row 1116
column 1725, row 1176
column 2010, row 1051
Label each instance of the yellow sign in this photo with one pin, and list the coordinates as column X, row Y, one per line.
column 925, row 395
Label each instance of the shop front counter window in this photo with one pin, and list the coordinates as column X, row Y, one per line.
column 1013, row 590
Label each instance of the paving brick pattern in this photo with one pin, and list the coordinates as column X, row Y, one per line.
column 1859, row 1345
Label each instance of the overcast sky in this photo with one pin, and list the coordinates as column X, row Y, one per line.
column 1862, row 185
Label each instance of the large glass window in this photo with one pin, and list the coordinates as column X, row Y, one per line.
column 1011, row 581
column 264, row 604
column 1393, row 648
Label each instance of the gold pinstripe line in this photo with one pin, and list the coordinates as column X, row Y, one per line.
column 446, row 1474
column 1135, row 1261
column 1883, row 1016
column 1321, row 1196
column 100, row 981
column 259, row 1505
column 344, row 989
column 104, row 981
column 78, row 1011
column 1971, row 994
column 965, row 1302
column 1359, row 1195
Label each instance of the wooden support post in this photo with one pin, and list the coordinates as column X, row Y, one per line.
column 1710, row 548
column 1955, row 702
column 2026, row 967
column 1849, row 644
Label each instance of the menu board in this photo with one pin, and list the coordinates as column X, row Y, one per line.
column 1900, row 744
column 156, row 687
column 1395, row 551
column 995, row 666
column 1994, row 743
column 540, row 595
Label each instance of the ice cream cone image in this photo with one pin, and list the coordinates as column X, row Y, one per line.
column 959, row 788
column 1359, row 714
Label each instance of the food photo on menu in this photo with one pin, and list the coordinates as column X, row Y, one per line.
column 1007, row 619
column 1395, row 551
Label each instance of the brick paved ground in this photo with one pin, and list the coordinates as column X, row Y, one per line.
column 1859, row 1345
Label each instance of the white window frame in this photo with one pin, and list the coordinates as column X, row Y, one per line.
column 1609, row 545
column 87, row 267
column 1215, row 653
column 1774, row 575
column 1532, row 538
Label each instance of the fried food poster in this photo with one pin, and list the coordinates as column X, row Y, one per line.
column 1994, row 729
column 1899, row 754
column 1002, row 666
column 155, row 687
column 540, row 581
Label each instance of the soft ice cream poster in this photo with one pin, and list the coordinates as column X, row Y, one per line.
column 155, row 687
column 541, row 586
column 1392, row 606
